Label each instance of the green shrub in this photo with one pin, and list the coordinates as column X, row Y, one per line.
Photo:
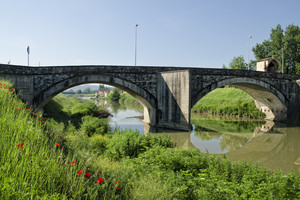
column 93, row 125
column 98, row 143
column 83, row 108
column 132, row 143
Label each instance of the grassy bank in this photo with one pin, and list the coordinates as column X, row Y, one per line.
column 228, row 101
column 45, row 160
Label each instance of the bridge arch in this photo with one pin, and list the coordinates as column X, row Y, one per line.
column 145, row 98
column 268, row 99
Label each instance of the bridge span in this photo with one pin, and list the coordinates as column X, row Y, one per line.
column 167, row 93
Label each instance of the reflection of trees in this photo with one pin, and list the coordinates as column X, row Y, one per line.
column 207, row 135
column 232, row 133
column 114, row 107
column 228, row 126
column 232, row 142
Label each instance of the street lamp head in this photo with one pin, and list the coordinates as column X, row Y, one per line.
column 250, row 36
column 136, row 25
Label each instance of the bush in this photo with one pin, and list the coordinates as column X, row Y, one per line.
column 114, row 95
column 132, row 143
column 84, row 108
column 93, row 125
column 98, row 143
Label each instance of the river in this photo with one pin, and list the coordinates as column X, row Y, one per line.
column 274, row 145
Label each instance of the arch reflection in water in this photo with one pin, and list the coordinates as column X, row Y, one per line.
column 273, row 145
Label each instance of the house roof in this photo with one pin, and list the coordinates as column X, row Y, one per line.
column 270, row 59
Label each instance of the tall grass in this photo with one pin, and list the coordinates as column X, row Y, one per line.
column 32, row 165
column 228, row 101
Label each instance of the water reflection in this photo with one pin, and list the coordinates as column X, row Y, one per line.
column 125, row 118
column 273, row 145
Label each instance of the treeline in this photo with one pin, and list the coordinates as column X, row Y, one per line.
column 282, row 44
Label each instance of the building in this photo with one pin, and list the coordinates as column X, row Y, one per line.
column 267, row 65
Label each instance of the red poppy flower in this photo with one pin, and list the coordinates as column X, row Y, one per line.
column 100, row 180
column 116, row 181
column 74, row 162
column 21, row 145
column 118, row 188
column 87, row 174
column 7, row 93
column 100, row 172
column 57, row 144
column 80, row 172
column 27, row 108
column 12, row 89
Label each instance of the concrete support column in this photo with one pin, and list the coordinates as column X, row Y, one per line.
column 24, row 85
column 173, row 96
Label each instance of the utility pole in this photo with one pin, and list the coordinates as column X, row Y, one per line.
column 28, row 52
column 282, row 64
column 135, row 51
column 249, row 52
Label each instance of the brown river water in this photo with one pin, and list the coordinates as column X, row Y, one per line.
column 274, row 145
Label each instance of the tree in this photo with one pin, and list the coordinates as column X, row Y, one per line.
column 78, row 92
column 281, row 42
column 87, row 90
column 114, row 95
column 238, row 63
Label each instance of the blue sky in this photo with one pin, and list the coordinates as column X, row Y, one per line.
column 187, row 33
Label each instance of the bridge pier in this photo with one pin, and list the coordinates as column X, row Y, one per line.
column 173, row 96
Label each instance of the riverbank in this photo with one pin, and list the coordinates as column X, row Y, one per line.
column 40, row 159
column 228, row 101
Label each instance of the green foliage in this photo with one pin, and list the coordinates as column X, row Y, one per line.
column 131, row 143
column 98, row 143
column 87, row 90
column 83, row 108
column 280, row 41
column 238, row 63
column 114, row 95
column 93, row 125
column 228, row 101
column 133, row 166
column 70, row 110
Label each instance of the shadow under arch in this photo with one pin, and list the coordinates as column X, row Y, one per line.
column 267, row 98
column 145, row 98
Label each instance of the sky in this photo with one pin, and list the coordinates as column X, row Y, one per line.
column 183, row 33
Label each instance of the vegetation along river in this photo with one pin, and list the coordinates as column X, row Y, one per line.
column 274, row 145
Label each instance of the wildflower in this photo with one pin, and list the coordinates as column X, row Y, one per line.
column 12, row 89
column 100, row 172
column 100, row 180
column 74, row 162
column 27, row 108
column 118, row 188
column 116, row 181
column 21, row 145
column 7, row 93
column 80, row 172
column 57, row 144
column 87, row 174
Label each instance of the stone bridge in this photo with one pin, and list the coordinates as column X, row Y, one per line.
column 167, row 93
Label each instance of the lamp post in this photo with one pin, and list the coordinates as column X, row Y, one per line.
column 28, row 52
column 249, row 51
column 135, row 50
